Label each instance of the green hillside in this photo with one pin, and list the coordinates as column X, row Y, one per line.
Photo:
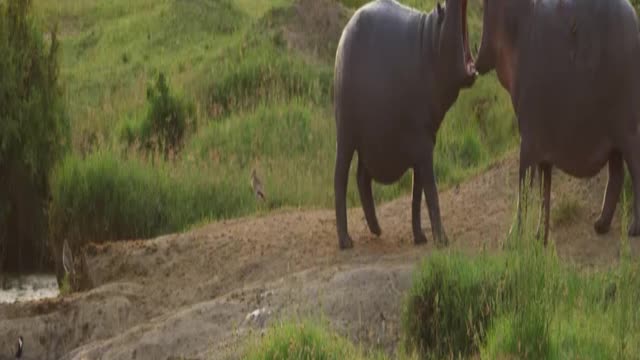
column 259, row 77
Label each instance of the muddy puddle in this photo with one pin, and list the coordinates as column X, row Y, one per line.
column 14, row 288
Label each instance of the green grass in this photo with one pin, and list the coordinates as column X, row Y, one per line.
column 65, row 286
column 523, row 303
column 304, row 340
column 108, row 197
column 438, row 319
column 309, row 338
column 258, row 103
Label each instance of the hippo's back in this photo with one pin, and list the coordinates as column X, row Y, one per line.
column 577, row 70
column 575, row 45
column 378, row 57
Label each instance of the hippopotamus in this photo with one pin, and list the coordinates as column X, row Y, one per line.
column 397, row 72
column 571, row 69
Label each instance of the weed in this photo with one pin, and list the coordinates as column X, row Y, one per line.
column 301, row 340
column 450, row 305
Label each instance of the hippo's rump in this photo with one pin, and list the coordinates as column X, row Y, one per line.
column 380, row 52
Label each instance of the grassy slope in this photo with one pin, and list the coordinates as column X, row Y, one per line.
column 228, row 56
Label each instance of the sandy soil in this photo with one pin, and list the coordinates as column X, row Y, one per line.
column 199, row 294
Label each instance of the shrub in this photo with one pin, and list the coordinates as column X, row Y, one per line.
column 165, row 123
column 34, row 133
column 450, row 305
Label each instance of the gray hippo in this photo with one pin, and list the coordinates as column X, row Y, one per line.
column 397, row 72
column 571, row 68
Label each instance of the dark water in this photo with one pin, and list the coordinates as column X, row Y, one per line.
column 14, row 288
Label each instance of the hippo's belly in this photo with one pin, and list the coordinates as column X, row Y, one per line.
column 578, row 146
column 586, row 164
column 387, row 171
column 388, row 155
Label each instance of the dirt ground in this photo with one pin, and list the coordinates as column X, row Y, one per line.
column 199, row 294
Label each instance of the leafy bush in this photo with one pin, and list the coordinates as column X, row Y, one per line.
column 450, row 305
column 165, row 123
column 34, row 133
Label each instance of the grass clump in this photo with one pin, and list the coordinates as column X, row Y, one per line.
column 450, row 305
column 305, row 340
column 108, row 197
column 65, row 285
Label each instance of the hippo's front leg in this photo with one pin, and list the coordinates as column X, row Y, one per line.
column 344, row 154
column 431, row 193
column 545, row 179
column 633, row 162
column 612, row 194
column 416, row 202
column 366, row 198
column 525, row 166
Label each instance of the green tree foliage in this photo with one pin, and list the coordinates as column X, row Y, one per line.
column 34, row 132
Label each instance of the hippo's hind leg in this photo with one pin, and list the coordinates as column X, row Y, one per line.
column 526, row 166
column 344, row 154
column 633, row 162
column 366, row 198
column 545, row 183
column 416, row 202
column 612, row 193
column 431, row 193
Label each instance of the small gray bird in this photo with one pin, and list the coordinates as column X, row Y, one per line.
column 67, row 258
column 256, row 185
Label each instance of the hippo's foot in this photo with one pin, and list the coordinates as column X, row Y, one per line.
column 602, row 226
column 442, row 240
column 419, row 238
column 375, row 229
column 634, row 229
column 346, row 242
